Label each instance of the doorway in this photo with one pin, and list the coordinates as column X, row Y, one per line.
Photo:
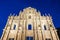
column 29, row 38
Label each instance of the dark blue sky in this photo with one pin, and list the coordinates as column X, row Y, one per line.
column 14, row 6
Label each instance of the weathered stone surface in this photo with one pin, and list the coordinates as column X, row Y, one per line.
column 29, row 24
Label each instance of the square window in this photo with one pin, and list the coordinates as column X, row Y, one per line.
column 50, row 25
column 29, row 17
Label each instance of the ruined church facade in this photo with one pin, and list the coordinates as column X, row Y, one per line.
column 29, row 25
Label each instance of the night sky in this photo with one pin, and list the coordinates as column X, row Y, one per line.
column 14, row 6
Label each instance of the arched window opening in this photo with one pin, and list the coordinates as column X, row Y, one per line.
column 29, row 27
column 45, row 27
column 14, row 27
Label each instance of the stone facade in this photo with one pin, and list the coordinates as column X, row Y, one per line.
column 29, row 25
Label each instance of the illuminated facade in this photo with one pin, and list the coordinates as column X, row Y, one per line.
column 29, row 25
